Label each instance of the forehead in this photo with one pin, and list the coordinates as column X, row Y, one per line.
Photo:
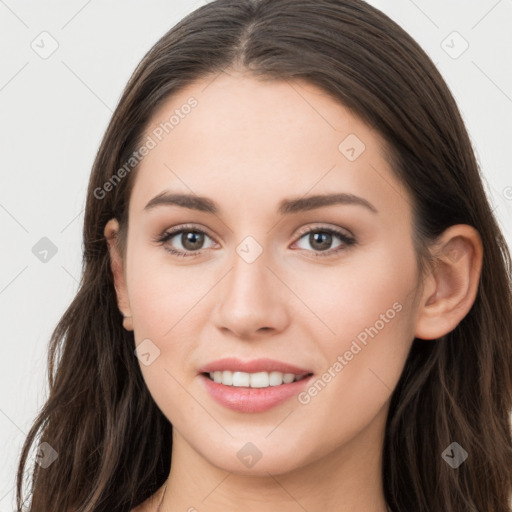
column 237, row 138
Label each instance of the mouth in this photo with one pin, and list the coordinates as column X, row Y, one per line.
column 263, row 379
column 253, row 386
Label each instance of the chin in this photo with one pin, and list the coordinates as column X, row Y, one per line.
column 258, row 457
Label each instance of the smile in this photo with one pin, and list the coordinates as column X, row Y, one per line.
column 252, row 386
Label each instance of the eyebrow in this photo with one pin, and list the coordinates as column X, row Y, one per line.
column 286, row 206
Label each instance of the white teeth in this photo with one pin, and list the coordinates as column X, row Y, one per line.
column 288, row 377
column 259, row 380
column 275, row 378
column 227, row 378
column 253, row 380
column 241, row 379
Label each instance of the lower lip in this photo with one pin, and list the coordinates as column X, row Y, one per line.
column 244, row 399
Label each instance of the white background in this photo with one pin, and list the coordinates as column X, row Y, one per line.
column 54, row 111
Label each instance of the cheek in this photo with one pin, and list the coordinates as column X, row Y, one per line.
column 167, row 304
column 367, row 306
column 363, row 297
column 162, row 293
column 162, row 299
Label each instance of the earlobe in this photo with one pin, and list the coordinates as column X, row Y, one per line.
column 451, row 286
column 116, row 264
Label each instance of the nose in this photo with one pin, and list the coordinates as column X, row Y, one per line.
column 252, row 300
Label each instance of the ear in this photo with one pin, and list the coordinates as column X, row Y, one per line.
column 451, row 286
column 116, row 264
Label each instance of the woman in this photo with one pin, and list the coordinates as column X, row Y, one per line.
column 290, row 258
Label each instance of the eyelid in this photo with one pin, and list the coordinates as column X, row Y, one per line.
column 186, row 227
column 325, row 226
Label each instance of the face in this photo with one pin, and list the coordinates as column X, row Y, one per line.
column 267, row 277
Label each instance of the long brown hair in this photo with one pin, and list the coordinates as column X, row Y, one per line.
column 114, row 444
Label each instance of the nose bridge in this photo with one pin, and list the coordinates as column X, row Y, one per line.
column 248, row 279
column 249, row 298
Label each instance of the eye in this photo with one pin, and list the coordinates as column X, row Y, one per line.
column 190, row 239
column 321, row 238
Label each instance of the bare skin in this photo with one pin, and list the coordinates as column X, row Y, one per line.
column 247, row 146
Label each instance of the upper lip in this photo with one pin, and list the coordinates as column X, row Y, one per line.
column 253, row 366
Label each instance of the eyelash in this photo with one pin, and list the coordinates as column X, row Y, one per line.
column 347, row 241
